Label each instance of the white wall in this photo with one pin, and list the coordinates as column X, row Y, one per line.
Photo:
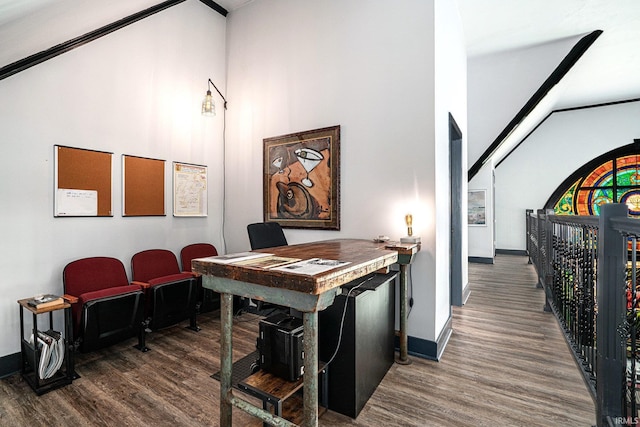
column 500, row 84
column 481, row 237
column 450, row 98
column 135, row 91
column 561, row 145
column 368, row 67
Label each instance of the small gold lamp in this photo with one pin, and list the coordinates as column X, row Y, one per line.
column 410, row 238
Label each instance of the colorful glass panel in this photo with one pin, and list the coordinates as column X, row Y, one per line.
column 613, row 181
column 628, row 171
column 632, row 199
column 564, row 206
column 602, row 176
column 588, row 201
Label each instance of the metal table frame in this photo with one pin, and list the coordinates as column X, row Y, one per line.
column 309, row 303
column 405, row 258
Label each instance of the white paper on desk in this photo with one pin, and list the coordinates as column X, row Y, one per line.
column 267, row 262
column 231, row 258
column 311, row 266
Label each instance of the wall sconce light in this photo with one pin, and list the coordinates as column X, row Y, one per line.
column 410, row 238
column 208, row 106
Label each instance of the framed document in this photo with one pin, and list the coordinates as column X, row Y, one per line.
column 189, row 189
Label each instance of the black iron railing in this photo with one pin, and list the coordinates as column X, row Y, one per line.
column 588, row 269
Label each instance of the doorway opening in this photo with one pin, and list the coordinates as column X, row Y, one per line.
column 456, row 177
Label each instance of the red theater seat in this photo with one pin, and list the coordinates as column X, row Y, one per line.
column 170, row 294
column 208, row 300
column 109, row 309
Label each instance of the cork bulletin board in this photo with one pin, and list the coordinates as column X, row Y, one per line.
column 82, row 182
column 142, row 186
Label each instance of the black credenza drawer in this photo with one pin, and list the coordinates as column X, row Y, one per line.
column 367, row 346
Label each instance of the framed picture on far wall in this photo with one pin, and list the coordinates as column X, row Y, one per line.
column 477, row 203
column 301, row 179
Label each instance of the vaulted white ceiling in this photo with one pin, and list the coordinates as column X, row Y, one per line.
column 28, row 27
column 609, row 71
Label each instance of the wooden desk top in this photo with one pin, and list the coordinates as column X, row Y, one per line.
column 403, row 248
column 364, row 257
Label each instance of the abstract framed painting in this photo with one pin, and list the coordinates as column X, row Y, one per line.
column 301, row 179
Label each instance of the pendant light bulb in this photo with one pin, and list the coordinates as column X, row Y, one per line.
column 208, row 106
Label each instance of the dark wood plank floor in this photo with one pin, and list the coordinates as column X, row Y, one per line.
column 506, row 365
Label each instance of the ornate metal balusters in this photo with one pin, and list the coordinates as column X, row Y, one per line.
column 574, row 259
column 630, row 331
column 589, row 301
column 585, row 336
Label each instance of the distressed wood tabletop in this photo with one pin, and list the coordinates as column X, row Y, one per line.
column 364, row 257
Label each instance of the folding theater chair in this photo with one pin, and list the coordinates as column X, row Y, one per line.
column 109, row 309
column 208, row 300
column 170, row 294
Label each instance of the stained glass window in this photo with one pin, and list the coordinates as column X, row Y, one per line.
column 615, row 179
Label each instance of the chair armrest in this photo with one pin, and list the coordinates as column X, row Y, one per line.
column 143, row 285
column 178, row 277
column 70, row 298
column 194, row 274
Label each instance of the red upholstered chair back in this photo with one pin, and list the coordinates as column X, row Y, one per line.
column 153, row 263
column 196, row 250
column 93, row 274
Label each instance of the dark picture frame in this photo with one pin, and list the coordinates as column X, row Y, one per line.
column 301, row 179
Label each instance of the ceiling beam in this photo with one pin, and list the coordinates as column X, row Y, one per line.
column 215, row 6
column 561, row 70
column 54, row 51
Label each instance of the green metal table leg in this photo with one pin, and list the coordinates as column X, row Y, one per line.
column 226, row 359
column 310, row 387
column 403, row 357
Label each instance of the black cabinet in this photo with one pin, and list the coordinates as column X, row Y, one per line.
column 367, row 345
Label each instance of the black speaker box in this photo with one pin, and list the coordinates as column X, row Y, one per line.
column 280, row 344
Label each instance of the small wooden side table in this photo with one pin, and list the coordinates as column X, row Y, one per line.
column 31, row 354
